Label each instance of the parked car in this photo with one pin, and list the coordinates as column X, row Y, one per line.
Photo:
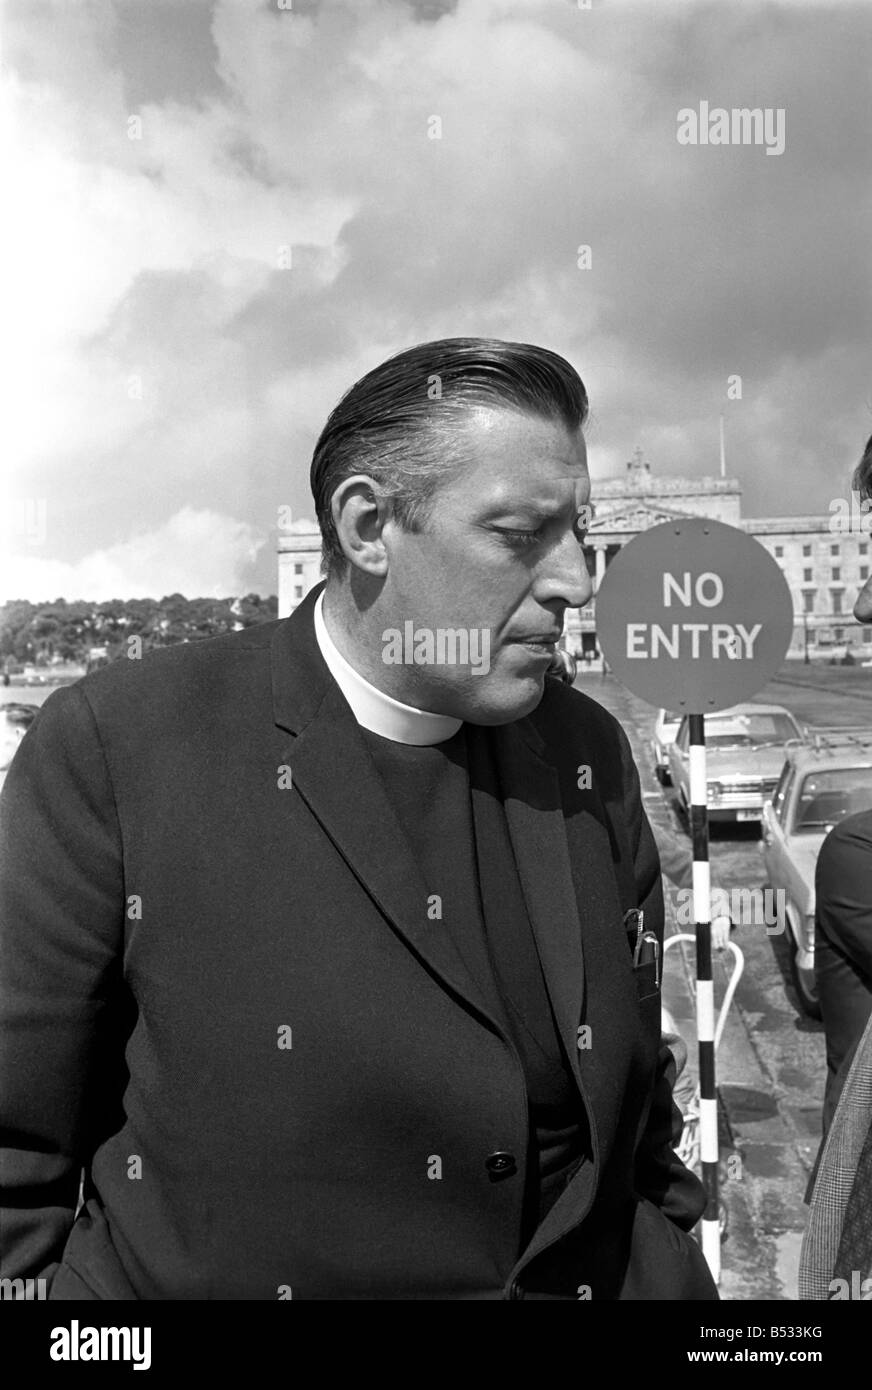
column 745, row 751
column 666, row 726
column 823, row 781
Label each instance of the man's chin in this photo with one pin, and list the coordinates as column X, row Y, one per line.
column 510, row 699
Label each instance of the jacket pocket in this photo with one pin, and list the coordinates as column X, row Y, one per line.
column 665, row 1262
column 90, row 1267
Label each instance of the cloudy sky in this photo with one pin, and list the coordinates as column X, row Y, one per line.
column 224, row 211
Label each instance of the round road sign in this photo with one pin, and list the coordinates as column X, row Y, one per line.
column 694, row 615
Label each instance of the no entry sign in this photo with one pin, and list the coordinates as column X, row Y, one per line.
column 694, row 615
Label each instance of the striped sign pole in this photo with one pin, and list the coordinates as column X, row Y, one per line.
column 705, row 1001
column 696, row 614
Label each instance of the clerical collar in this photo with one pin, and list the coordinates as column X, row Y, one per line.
column 372, row 708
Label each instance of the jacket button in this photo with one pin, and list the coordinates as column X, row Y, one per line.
column 501, row 1165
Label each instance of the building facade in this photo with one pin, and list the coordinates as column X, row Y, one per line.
column 824, row 568
column 299, row 563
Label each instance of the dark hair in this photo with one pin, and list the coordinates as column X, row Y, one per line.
column 402, row 423
column 862, row 479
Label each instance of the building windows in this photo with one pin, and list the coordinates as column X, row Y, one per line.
column 864, row 547
column 298, row 569
column 298, row 591
column 836, row 596
column 839, row 634
column 867, row 635
column 864, row 571
column 808, row 600
column 837, row 574
column 806, row 576
column 779, row 551
column 806, row 550
column 834, row 550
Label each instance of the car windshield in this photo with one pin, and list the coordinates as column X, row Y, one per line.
column 749, row 731
column 830, row 794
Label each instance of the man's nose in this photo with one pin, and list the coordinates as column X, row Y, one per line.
column 565, row 576
column 863, row 606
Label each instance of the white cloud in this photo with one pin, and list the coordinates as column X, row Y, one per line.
column 199, row 553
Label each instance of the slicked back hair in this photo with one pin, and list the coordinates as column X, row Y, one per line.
column 862, row 479
column 402, row 423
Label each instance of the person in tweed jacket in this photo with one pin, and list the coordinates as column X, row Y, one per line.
column 836, row 1258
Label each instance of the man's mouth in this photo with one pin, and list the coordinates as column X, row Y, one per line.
column 542, row 645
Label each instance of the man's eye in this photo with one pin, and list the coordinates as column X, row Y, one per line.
column 519, row 538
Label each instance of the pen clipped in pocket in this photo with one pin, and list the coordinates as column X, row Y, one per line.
column 647, row 962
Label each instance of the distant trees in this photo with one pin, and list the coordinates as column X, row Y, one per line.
column 46, row 633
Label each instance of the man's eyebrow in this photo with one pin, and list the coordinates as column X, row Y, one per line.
column 544, row 510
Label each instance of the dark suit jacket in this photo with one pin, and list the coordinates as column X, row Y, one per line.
column 843, row 944
column 170, row 916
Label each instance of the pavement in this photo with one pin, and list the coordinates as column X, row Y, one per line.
column 769, row 1065
column 764, row 1156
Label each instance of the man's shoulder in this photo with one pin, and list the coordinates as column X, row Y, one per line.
column 186, row 668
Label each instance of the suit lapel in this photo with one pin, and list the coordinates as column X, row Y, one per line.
column 553, row 885
column 334, row 774
column 575, row 911
column 535, row 818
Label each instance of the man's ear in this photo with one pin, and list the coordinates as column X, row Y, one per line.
column 360, row 510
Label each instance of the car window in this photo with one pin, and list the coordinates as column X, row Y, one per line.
column 750, row 730
column 828, row 795
column 683, row 735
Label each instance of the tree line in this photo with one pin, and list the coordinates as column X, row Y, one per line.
column 43, row 634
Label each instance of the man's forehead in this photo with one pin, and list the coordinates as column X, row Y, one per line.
column 496, row 426
column 522, row 457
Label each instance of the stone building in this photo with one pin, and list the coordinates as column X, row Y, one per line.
column 299, row 561
column 824, row 568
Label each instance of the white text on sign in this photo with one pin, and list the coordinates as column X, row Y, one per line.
column 733, row 641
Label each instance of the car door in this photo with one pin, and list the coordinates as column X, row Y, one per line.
column 776, row 855
column 679, row 762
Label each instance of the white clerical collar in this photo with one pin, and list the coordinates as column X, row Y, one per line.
column 372, row 708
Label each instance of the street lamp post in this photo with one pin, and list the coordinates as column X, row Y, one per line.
column 805, row 635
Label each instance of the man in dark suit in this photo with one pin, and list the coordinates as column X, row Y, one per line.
column 319, row 938
column 843, row 944
column 836, row 1259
